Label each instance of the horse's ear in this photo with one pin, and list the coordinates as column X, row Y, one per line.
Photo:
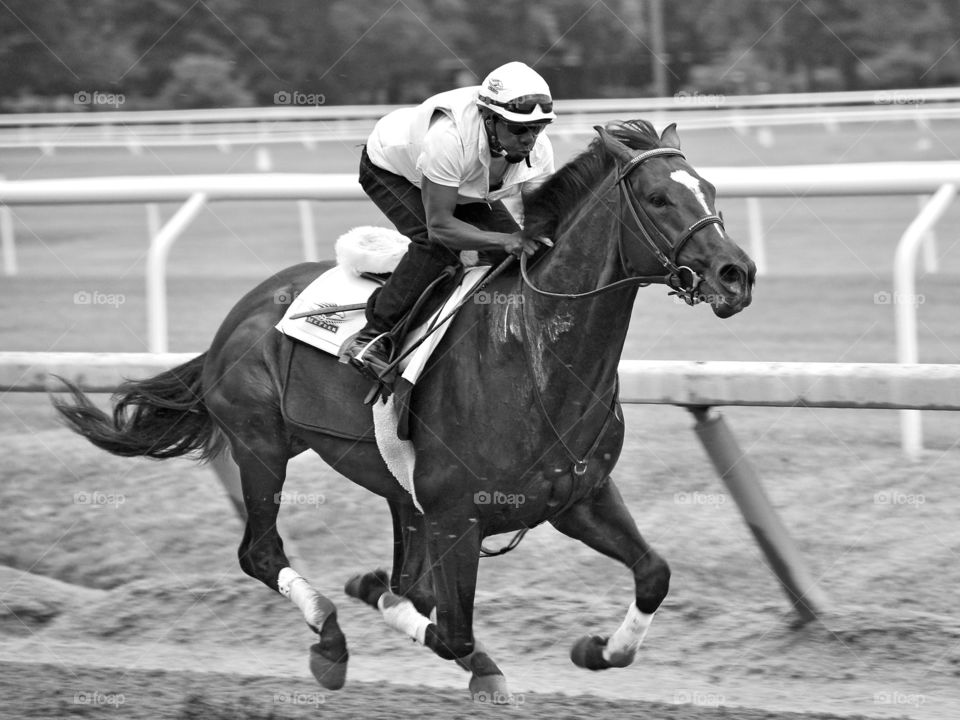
column 670, row 137
column 614, row 146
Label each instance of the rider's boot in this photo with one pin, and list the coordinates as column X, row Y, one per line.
column 369, row 351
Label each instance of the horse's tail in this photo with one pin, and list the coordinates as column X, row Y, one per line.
column 160, row 417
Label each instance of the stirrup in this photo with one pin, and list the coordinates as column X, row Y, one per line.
column 373, row 371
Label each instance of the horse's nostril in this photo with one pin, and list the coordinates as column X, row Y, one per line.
column 732, row 275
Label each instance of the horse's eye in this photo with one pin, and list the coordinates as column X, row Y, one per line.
column 658, row 200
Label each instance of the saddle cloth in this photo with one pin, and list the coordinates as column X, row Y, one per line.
column 339, row 286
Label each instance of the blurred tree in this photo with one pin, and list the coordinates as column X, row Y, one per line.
column 58, row 47
column 401, row 51
column 202, row 81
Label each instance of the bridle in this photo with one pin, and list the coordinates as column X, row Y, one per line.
column 684, row 280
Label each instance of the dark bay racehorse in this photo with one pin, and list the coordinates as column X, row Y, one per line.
column 520, row 401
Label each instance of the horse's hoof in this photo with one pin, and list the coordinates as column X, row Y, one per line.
column 587, row 653
column 331, row 672
column 491, row 690
column 368, row 587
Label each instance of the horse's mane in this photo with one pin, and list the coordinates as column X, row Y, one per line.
column 547, row 206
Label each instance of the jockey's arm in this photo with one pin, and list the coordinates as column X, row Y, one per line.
column 440, row 202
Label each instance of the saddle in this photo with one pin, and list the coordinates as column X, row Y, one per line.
column 330, row 311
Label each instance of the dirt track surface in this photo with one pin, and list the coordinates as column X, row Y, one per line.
column 48, row 691
column 144, row 598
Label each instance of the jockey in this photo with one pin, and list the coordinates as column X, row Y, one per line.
column 439, row 171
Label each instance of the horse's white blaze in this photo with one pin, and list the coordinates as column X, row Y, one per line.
column 693, row 185
column 627, row 638
column 400, row 614
column 311, row 603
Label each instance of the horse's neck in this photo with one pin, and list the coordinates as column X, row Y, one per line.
column 583, row 337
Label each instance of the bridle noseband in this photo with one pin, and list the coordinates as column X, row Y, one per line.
column 684, row 280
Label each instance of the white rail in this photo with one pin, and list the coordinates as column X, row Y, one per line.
column 310, row 124
column 888, row 178
column 50, row 137
column 680, row 101
column 888, row 386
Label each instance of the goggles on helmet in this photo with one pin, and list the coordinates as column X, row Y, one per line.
column 523, row 105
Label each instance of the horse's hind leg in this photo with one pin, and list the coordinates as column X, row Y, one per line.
column 262, row 460
column 603, row 522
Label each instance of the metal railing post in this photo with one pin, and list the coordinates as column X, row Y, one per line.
column 157, row 270
column 929, row 247
column 307, row 233
column 771, row 535
column 905, row 301
column 758, row 250
column 8, row 241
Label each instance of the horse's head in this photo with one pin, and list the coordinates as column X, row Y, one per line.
column 670, row 227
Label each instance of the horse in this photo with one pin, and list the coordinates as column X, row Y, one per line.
column 519, row 400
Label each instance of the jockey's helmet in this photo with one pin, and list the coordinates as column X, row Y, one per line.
column 517, row 93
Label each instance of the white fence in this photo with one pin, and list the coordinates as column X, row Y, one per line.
column 291, row 123
column 195, row 191
column 863, row 386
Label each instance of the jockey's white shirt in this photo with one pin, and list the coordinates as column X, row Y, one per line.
column 443, row 140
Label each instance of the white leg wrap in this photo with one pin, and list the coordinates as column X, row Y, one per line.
column 311, row 603
column 627, row 638
column 400, row 614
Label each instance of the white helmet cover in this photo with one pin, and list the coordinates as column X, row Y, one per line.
column 518, row 94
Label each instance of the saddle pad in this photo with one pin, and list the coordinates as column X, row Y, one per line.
column 337, row 286
column 340, row 287
column 323, row 395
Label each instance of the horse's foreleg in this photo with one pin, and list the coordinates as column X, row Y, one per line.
column 262, row 473
column 603, row 522
column 408, row 605
column 406, row 599
column 411, row 575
